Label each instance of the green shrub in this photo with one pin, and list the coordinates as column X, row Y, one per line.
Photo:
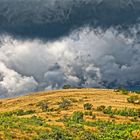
column 67, row 87
column 50, row 110
column 88, row 106
column 137, row 92
column 21, row 112
column 108, row 110
column 134, row 119
column 100, row 108
column 65, row 103
column 122, row 90
column 109, row 130
column 93, row 116
column 43, row 105
column 111, row 115
column 134, row 99
column 138, row 111
column 77, row 117
column 89, row 113
column 121, row 112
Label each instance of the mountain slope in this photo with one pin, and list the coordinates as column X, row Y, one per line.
column 87, row 113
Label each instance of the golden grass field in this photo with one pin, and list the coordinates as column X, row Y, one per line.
column 96, row 97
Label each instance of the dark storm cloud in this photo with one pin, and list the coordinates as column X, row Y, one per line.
column 45, row 44
column 55, row 18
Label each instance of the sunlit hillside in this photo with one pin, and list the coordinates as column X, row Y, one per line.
column 71, row 114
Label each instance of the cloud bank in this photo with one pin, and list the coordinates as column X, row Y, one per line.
column 84, row 58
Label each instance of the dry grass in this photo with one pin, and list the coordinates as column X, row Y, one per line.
column 96, row 97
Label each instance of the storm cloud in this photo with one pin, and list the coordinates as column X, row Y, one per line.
column 83, row 58
column 51, row 19
column 45, row 44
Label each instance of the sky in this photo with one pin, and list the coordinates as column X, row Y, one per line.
column 45, row 44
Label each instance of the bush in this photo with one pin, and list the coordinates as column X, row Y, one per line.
column 100, row 108
column 93, row 116
column 88, row 106
column 77, row 117
column 138, row 111
column 122, row 90
column 19, row 112
column 121, row 112
column 67, row 87
column 137, row 92
column 134, row 119
column 127, row 112
column 108, row 110
column 64, row 103
column 111, row 115
column 23, row 112
column 88, row 113
column 134, row 99
column 43, row 105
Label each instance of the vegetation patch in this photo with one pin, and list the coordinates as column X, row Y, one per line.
column 43, row 105
column 101, row 108
column 134, row 99
column 88, row 106
column 64, row 103
column 108, row 130
column 19, row 112
column 88, row 113
column 122, row 90
column 77, row 117
column 121, row 112
column 70, row 118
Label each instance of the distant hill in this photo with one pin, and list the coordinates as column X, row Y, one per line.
column 71, row 114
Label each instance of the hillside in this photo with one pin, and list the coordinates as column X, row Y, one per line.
column 72, row 114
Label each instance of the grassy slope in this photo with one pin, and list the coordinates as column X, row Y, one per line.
column 78, row 98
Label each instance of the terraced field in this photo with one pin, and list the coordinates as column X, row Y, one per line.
column 72, row 114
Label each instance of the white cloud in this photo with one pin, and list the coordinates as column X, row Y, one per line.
column 84, row 58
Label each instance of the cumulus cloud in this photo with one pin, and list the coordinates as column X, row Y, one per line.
column 12, row 83
column 85, row 58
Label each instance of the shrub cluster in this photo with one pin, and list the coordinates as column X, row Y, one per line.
column 64, row 103
column 43, row 105
column 88, row 106
column 77, row 117
column 67, row 87
column 89, row 113
column 36, row 128
column 122, row 90
column 19, row 112
column 122, row 112
column 100, row 108
column 134, row 99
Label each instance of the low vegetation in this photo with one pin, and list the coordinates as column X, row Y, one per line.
column 88, row 106
column 122, row 90
column 84, row 114
column 64, row 103
column 121, row 112
column 134, row 99
column 43, row 105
